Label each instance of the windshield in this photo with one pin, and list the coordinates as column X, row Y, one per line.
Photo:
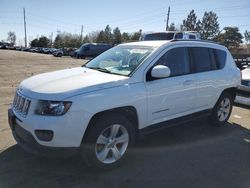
column 121, row 60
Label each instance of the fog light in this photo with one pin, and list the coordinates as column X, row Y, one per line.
column 44, row 135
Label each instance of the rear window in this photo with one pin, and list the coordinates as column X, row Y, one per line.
column 179, row 36
column 201, row 58
column 191, row 37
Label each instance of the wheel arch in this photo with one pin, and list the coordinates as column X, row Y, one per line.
column 129, row 112
column 231, row 90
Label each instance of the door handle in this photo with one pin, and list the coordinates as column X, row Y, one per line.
column 188, row 82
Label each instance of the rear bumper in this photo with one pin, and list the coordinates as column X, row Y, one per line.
column 26, row 140
column 243, row 91
column 243, row 95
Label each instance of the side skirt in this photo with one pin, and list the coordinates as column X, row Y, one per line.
column 174, row 122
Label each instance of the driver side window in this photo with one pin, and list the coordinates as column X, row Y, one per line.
column 177, row 60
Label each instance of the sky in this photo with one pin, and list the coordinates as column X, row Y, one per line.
column 47, row 16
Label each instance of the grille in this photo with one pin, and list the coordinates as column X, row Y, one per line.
column 21, row 105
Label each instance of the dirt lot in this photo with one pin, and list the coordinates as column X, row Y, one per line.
column 192, row 155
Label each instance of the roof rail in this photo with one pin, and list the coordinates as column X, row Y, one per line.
column 209, row 41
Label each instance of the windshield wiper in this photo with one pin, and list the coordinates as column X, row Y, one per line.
column 100, row 69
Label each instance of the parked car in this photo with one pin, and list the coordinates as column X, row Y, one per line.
column 243, row 94
column 92, row 49
column 58, row 53
column 135, row 88
column 170, row 35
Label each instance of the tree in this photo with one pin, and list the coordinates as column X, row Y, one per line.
column 209, row 25
column 108, row 34
column 41, row 42
column 64, row 39
column 125, row 37
column 247, row 37
column 86, row 39
column 93, row 36
column 34, row 43
column 11, row 38
column 58, row 42
column 117, row 36
column 136, row 35
column 101, row 38
column 172, row 27
column 190, row 24
column 231, row 38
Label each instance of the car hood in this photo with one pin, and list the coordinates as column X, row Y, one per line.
column 246, row 74
column 61, row 84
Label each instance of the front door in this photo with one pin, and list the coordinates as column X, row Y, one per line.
column 171, row 97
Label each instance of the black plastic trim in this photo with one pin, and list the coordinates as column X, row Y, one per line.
column 174, row 122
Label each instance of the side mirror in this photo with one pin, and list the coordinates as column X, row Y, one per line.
column 160, row 71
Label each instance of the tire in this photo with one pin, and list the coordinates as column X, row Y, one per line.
column 107, row 141
column 222, row 110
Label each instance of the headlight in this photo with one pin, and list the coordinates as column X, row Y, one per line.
column 52, row 108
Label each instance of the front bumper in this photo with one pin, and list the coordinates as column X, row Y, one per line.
column 26, row 140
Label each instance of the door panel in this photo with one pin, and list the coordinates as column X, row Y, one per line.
column 170, row 96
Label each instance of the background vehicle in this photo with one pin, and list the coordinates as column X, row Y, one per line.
column 58, row 53
column 243, row 93
column 169, row 35
column 91, row 50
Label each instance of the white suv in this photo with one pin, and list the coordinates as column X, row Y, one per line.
column 99, row 109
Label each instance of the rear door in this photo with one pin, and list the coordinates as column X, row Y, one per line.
column 207, row 77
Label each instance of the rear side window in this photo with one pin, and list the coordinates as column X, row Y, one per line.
column 177, row 60
column 191, row 37
column 220, row 57
column 179, row 36
column 201, row 59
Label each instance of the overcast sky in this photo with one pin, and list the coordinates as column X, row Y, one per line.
column 47, row 16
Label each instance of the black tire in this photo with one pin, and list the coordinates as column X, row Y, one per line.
column 216, row 116
column 96, row 129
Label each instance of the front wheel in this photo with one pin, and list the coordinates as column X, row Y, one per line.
column 222, row 109
column 107, row 141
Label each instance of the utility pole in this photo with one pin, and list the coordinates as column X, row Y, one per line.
column 81, row 33
column 51, row 39
column 24, row 19
column 167, row 18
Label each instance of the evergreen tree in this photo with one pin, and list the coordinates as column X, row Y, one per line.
column 231, row 37
column 117, row 36
column 190, row 24
column 209, row 25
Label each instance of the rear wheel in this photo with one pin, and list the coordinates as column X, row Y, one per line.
column 222, row 109
column 107, row 141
